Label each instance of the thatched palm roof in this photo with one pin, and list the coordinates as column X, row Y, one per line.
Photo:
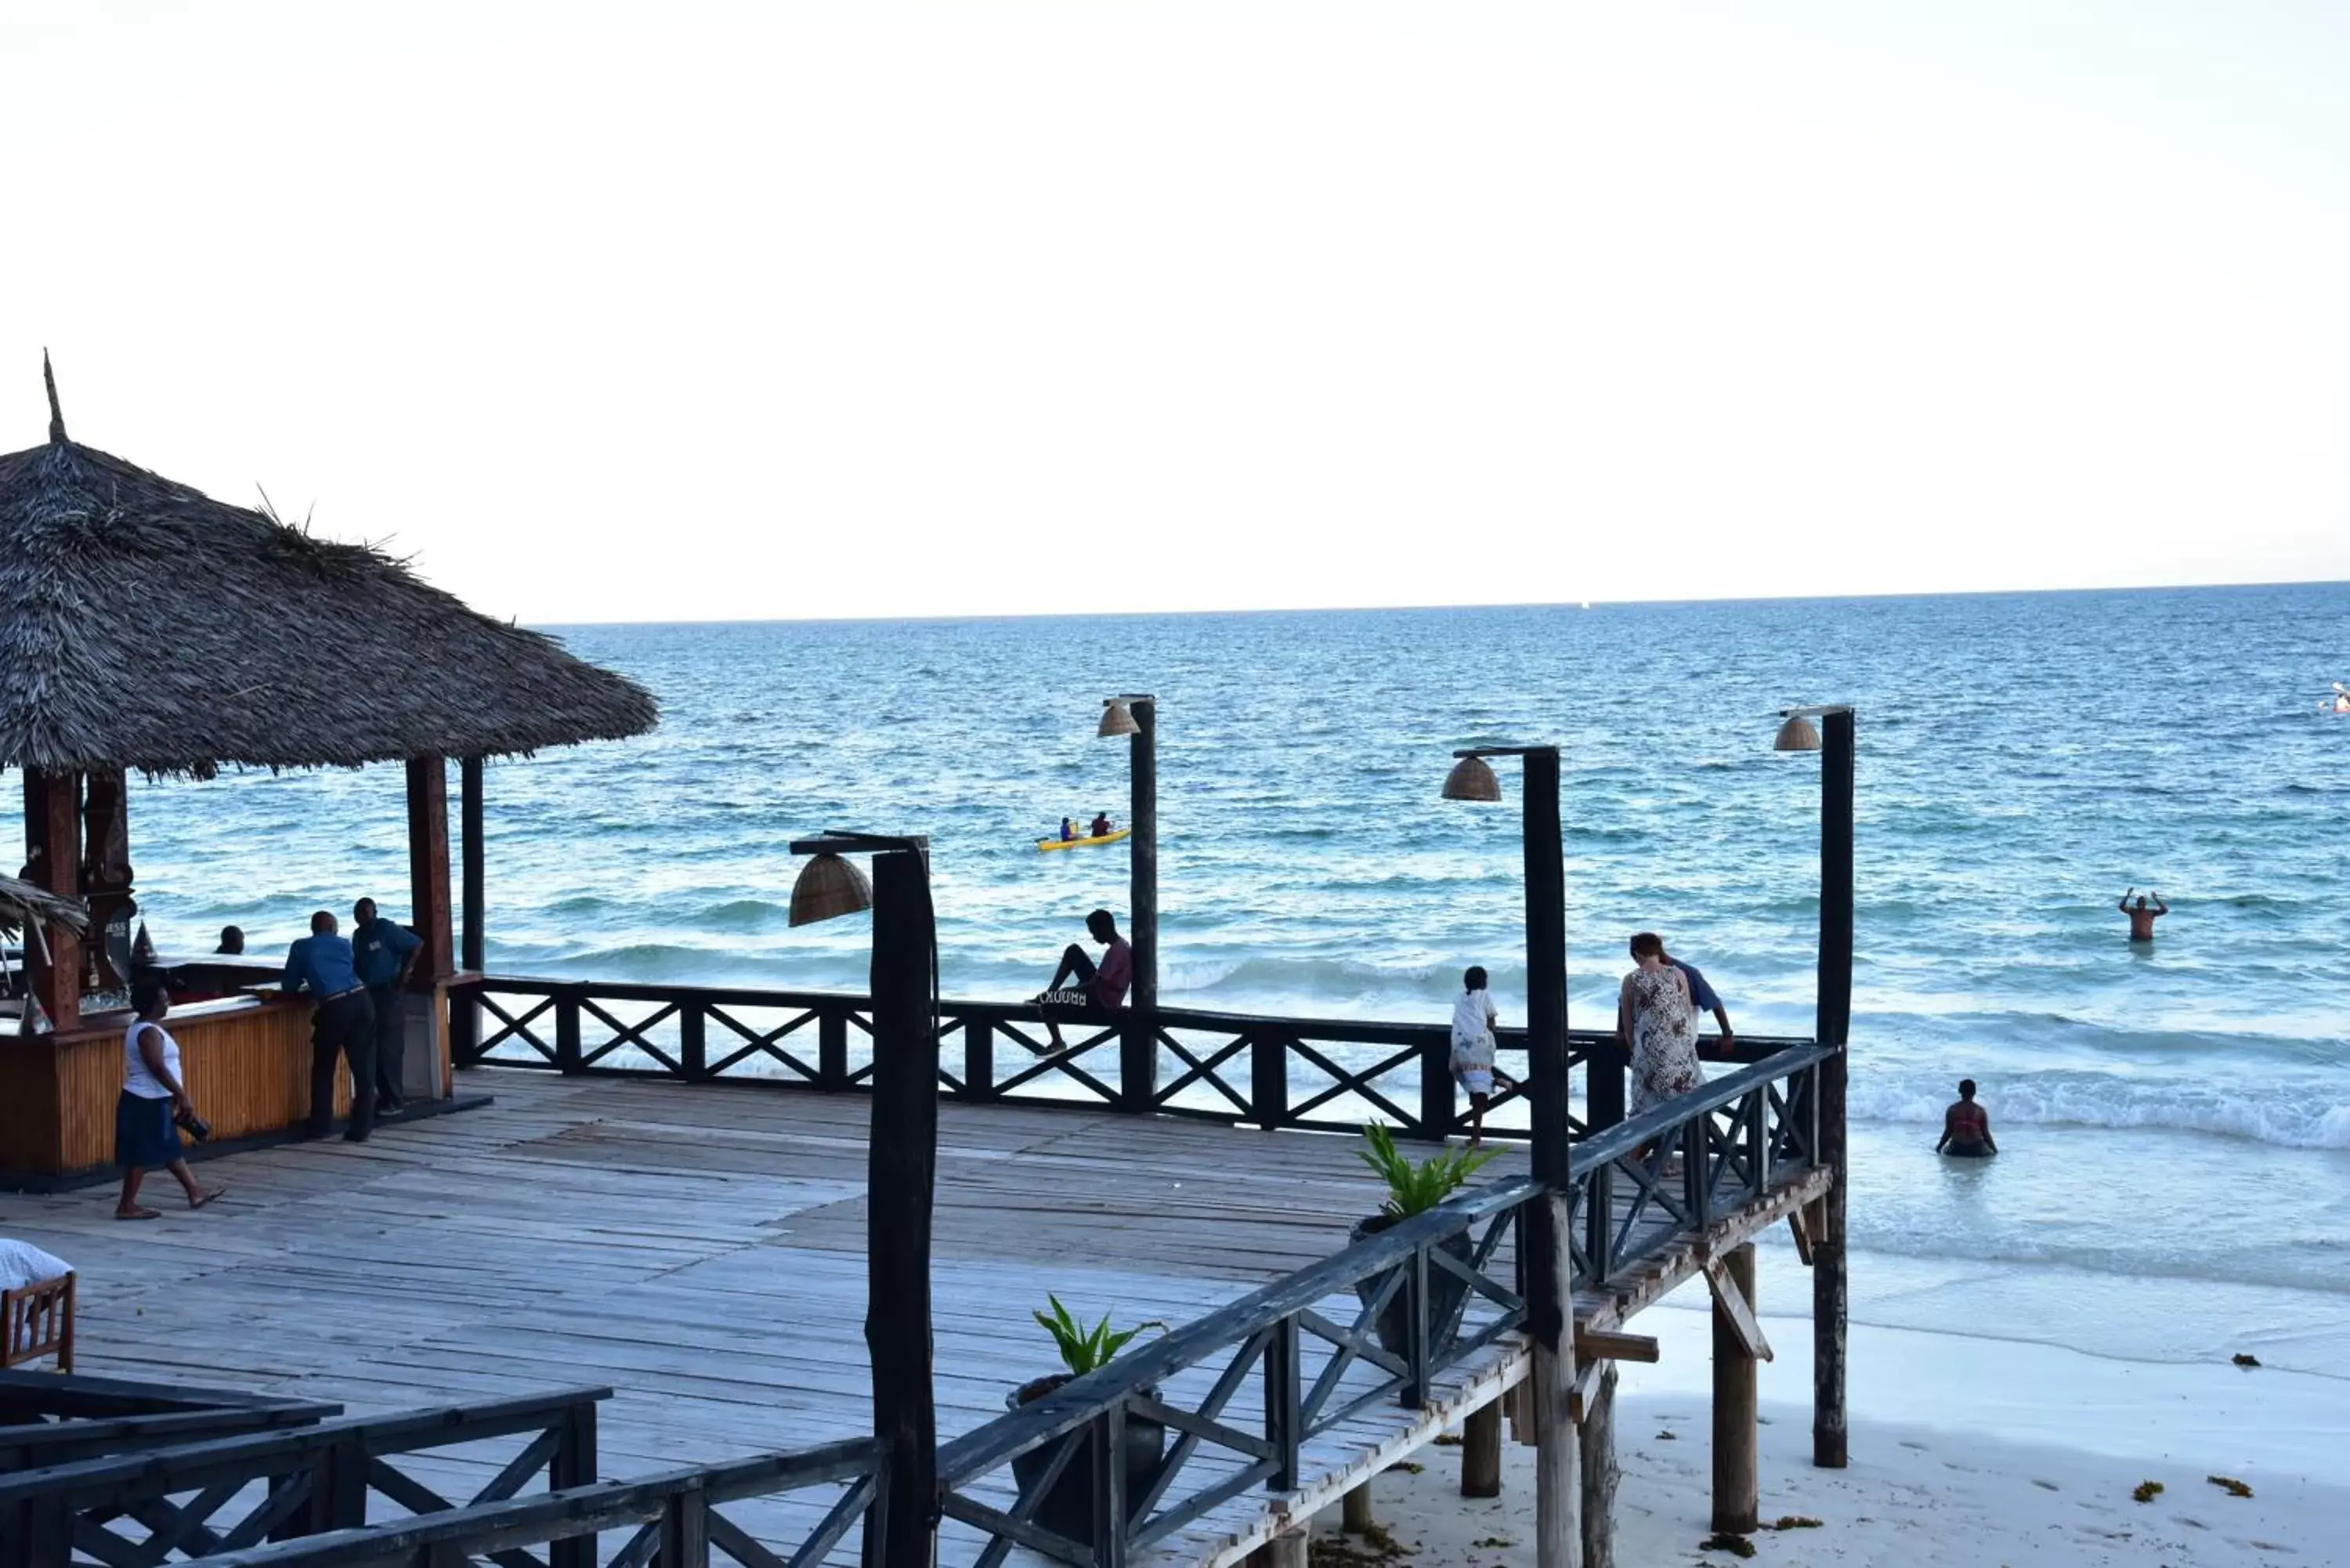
column 146, row 626
column 21, row 902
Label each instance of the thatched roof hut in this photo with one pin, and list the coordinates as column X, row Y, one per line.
column 144, row 625
column 22, row 905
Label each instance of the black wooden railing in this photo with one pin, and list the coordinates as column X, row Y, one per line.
column 669, row 1521
column 49, row 1419
column 1329, row 1075
column 1430, row 1293
column 224, row 1494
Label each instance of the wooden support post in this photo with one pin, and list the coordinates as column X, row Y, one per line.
column 469, row 827
column 1829, row 1289
column 692, row 1041
column 1268, row 1080
column 1139, row 1045
column 902, row 1153
column 1546, row 1088
column 978, row 1059
column 832, row 1051
column 428, row 867
column 574, row 1464
column 1519, row 1404
column 1600, row 1471
column 1437, row 1103
column 1480, row 1452
column 1737, row 1498
column 1288, row 1550
column 106, row 875
column 53, row 863
column 1355, row 1510
column 1558, row 1486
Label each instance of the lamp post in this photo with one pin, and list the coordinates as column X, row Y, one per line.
column 1549, row 1293
column 901, row 1166
column 1135, row 714
column 1833, row 1021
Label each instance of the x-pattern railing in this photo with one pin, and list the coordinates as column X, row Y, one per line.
column 1681, row 1166
column 1317, row 1073
column 668, row 1520
column 204, row 1499
column 47, row 1420
column 1240, row 1392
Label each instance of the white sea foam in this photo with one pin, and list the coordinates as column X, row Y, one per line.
column 2307, row 1117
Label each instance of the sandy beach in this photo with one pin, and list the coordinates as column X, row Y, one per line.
column 1964, row 1451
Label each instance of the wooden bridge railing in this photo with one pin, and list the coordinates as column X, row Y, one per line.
column 1433, row 1292
column 1330, row 1074
column 220, row 1496
column 49, row 1419
column 669, row 1521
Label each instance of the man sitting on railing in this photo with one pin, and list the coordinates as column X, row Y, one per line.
column 1099, row 990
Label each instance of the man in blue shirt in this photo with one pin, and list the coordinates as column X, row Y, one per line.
column 384, row 951
column 1702, row 997
column 321, row 965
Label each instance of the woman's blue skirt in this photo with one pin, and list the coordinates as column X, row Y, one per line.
column 144, row 1132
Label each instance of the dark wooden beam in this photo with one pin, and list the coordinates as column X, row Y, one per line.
column 469, row 777
column 1829, row 1286
column 1596, row 1425
column 1139, row 1045
column 106, row 871
column 428, row 866
column 901, row 1168
column 53, row 863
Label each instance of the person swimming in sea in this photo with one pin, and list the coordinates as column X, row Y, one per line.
column 2142, row 919
column 1965, row 1127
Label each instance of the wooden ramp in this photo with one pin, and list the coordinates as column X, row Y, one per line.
column 701, row 1250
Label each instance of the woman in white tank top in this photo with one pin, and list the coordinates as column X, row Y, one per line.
column 146, row 1128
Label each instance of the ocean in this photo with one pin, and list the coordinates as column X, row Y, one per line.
column 2175, row 1120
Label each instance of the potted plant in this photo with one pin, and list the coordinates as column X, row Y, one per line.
column 1067, row 1507
column 1414, row 1188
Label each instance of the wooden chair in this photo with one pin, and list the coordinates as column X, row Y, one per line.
column 38, row 1320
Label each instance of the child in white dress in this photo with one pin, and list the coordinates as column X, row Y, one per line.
column 1473, row 1018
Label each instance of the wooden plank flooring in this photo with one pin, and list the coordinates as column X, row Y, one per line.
column 701, row 1250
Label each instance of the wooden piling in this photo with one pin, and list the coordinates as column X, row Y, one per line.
column 1558, row 1500
column 1600, row 1472
column 1480, row 1452
column 1737, row 1496
column 1355, row 1510
column 428, row 867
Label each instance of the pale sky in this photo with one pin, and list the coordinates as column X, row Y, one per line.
column 747, row 311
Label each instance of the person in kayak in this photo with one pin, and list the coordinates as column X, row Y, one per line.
column 1100, row 828
column 2142, row 919
column 1080, row 985
column 1068, row 830
column 1965, row 1127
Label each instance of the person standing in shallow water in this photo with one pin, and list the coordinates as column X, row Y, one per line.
column 1965, row 1127
column 2142, row 919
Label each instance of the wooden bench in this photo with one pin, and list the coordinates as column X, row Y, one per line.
column 37, row 1320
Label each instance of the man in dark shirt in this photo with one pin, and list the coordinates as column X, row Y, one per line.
column 1703, row 999
column 384, row 951
column 1099, row 990
column 321, row 965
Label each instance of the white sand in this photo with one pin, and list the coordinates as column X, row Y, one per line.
column 2010, row 1455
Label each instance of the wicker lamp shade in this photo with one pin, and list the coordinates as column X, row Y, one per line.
column 1797, row 734
column 1117, row 719
column 829, row 885
column 1471, row 778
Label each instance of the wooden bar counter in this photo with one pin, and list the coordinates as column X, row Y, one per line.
column 245, row 1061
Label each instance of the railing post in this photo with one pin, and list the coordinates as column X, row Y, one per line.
column 832, row 1051
column 1599, row 1222
column 1107, row 1440
column 978, row 1059
column 1758, row 1140
column 1697, row 1187
column 684, row 1531
column 573, row 1465
column 1137, row 1060
column 1268, row 1078
column 1603, row 1087
column 1437, row 1103
column 1284, row 1403
column 1416, row 1348
column 465, row 1025
column 566, row 1032
column 692, row 1043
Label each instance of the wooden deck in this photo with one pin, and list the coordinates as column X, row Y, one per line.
column 701, row 1250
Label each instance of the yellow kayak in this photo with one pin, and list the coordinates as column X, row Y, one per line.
column 1081, row 843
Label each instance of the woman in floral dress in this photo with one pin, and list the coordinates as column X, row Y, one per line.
column 1656, row 1023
